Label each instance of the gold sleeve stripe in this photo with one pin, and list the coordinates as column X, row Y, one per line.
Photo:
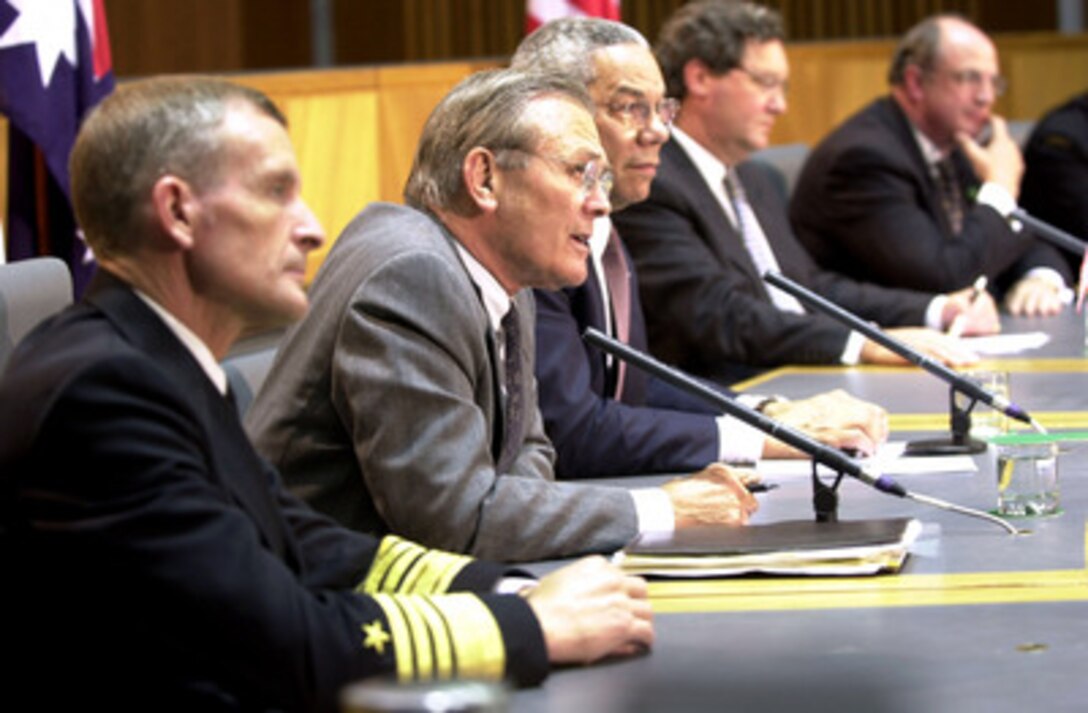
column 422, row 642
column 452, row 635
column 402, row 644
column 407, row 557
column 477, row 639
column 393, row 554
column 435, row 572
column 402, row 566
column 445, row 658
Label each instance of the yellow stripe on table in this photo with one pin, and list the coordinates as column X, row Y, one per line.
column 939, row 421
column 903, row 590
column 900, row 590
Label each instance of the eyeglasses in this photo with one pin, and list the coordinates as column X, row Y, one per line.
column 636, row 113
column 767, row 83
column 977, row 80
column 587, row 174
column 591, row 174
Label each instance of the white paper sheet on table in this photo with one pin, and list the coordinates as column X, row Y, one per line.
column 1006, row 343
column 889, row 460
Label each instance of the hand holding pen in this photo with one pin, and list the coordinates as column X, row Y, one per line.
column 979, row 311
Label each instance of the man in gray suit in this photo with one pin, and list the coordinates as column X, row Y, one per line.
column 406, row 401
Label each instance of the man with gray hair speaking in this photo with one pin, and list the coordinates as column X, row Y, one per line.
column 406, row 402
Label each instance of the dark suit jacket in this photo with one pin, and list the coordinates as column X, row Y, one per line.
column 153, row 561
column 1056, row 171
column 653, row 428
column 866, row 205
column 707, row 307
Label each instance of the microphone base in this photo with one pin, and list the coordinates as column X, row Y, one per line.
column 944, row 447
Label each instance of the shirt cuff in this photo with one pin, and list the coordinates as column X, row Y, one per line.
column 851, row 355
column 513, row 585
column 738, row 442
column 935, row 312
column 654, row 510
column 997, row 198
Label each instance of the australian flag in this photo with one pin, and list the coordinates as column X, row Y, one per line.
column 54, row 66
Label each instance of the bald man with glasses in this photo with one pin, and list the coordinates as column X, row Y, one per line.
column 910, row 192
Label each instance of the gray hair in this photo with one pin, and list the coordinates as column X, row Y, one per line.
column 566, row 46
column 715, row 32
column 920, row 46
column 485, row 110
column 141, row 132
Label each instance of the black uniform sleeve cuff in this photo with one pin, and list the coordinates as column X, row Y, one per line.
column 526, row 651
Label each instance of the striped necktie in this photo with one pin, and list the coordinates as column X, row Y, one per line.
column 617, row 278
column 755, row 241
column 948, row 188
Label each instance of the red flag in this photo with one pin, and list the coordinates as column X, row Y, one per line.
column 538, row 12
column 54, row 66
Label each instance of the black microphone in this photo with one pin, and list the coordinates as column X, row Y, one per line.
column 958, row 382
column 819, row 452
column 1050, row 233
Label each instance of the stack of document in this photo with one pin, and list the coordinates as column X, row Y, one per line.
column 794, row 547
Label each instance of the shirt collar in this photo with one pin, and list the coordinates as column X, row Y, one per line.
column 496, row 301
column 193, row 343
column 929, row 150
column 712, row 170
column 598, row 240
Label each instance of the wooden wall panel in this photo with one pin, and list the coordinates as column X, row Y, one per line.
column 334, row 125
column 828, row 82
column 170, row 36
column 355, row 130
column 152, row 36
column 408, row 94
column 1043, row 71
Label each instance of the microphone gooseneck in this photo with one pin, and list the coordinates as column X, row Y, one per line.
column 1050, row 233
column 971, row 512
column 959, row 382
column 820, row 453
column 831, row 457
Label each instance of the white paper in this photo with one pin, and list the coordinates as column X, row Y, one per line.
column 889, row 460
column 1006, row 343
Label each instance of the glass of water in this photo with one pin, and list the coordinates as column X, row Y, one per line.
column 1027, row 477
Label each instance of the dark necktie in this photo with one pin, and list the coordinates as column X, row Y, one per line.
column 617, row 278
column 512, row 379
column 948, row 187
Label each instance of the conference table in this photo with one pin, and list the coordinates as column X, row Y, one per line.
column 976, row 620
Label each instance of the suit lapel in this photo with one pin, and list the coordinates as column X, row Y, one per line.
column 591, row 307
column 722, row 237
column 901, row 127
column 498, row 431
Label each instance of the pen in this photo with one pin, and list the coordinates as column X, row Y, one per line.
column 956, row 328
column 761, row 487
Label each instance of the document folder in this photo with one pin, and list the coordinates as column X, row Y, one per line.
column 794, row 547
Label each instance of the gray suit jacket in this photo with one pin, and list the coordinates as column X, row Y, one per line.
column 383, row 407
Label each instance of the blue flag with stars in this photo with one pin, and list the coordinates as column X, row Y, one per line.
column 54, row 67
